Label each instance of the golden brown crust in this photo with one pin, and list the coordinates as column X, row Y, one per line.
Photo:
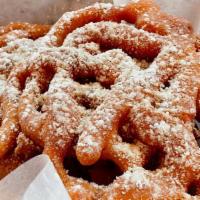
column 24, row 150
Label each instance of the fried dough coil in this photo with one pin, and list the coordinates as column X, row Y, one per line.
column 16, row 30
column 144, row 14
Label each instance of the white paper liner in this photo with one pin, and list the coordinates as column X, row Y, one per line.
column 37, row 179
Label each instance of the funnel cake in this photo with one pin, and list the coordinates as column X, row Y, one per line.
column 62, row 120
column 8, row 117
column 17, row 148
column 97, row 88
